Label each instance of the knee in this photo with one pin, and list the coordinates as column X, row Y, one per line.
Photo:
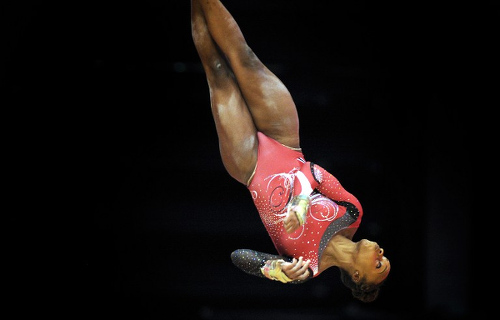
column 247, row 58
column 219, row 68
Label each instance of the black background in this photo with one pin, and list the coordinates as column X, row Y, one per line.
column 114, row 146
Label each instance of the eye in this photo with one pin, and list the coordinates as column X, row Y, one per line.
column 379, row 264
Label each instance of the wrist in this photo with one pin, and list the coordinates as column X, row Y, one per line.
column 300, row 204
column 272, row 270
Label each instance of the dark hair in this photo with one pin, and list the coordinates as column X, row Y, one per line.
column 360, row 290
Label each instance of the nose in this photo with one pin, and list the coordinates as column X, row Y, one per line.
column 380, row 252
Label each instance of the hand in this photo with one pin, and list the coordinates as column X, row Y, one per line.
column 297, row 269
column 291, row 222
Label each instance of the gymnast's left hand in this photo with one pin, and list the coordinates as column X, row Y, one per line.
column 297, row 269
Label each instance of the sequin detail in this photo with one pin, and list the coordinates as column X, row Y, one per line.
column 272, row 188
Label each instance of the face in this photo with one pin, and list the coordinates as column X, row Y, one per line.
column 371, row 262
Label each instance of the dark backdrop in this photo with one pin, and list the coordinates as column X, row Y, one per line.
column 113, row 129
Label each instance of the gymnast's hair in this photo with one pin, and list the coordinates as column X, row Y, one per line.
column 360, row 290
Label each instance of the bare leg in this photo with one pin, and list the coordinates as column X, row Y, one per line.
column 234, row 124
column 269, row 101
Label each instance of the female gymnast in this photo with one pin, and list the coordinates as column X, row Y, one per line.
column 309, row 216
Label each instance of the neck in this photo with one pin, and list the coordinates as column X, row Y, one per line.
column 339, row 252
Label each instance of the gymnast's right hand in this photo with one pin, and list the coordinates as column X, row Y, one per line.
column 297, row 269
column 296, row 212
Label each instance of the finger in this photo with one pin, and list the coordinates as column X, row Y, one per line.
column 305, row 267
column 297, row 265
column 287, row 266
column 290, row 227
column 301, row 268
column 303, row 276
column 287, row 220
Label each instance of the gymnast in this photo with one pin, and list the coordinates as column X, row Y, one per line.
column 308, row 215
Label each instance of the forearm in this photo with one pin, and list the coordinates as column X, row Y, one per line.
column 262, row 265
column 251, row 261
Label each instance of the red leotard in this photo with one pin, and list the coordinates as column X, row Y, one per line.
column 274, row 184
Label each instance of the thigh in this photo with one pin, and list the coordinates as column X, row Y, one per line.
column 236, row 131
column 269, row 101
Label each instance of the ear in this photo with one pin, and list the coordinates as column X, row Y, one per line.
column 355, row 276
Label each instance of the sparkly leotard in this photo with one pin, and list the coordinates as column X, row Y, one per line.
column 272, row 187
